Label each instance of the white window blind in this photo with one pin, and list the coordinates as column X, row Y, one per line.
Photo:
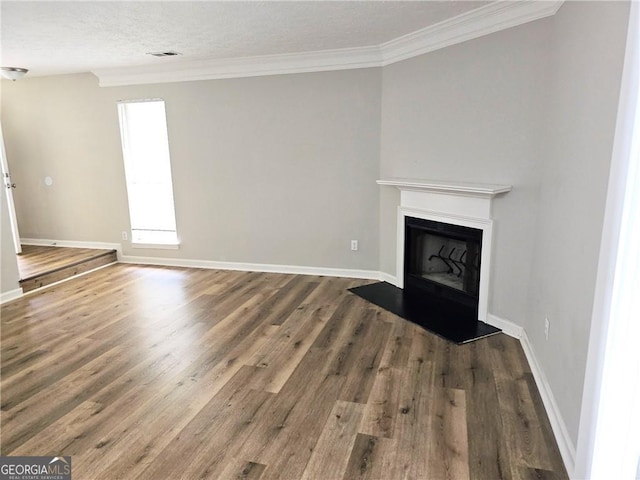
column 145, row 147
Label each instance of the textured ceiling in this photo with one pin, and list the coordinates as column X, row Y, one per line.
column 67, row 37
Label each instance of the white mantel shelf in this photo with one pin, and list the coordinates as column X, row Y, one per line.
column 482, row 190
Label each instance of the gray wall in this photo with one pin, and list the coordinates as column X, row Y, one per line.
column 276, row 169
column 533, row 107
column 588, row 51
column 473, row 112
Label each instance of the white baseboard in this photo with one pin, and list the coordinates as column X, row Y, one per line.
column 385, row 277
column 47, row 242
column 506, row 326
column 10, row 295
column 253, row 267
column 565, row 444
column 560, row 432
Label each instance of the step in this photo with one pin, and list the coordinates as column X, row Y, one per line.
column 67, row 271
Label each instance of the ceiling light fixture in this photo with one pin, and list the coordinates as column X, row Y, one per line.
column 169, row 53
column 13, row 73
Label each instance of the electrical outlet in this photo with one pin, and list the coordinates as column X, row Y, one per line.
column 546, row 328
column 124, row 236
column 354, row 245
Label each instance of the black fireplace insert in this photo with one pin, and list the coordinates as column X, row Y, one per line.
column 441, row 281
column 442, row 264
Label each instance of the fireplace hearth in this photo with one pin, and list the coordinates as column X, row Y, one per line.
column 443, row 257
column 441, row 281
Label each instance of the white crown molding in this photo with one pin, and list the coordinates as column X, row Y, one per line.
column 485, row 20
column 212, row 69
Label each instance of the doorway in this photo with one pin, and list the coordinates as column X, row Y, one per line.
column 8, row 186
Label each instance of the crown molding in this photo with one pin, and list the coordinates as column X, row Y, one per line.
column 485, row 20
column 212, row 69
column 482, row 21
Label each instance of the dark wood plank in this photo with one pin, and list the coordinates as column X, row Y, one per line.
column 242, row 470
column 36, row 259
column 370, row 458
column 448, row 448
column 335, row 442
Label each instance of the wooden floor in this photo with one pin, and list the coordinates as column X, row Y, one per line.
column 167, row 373
column 43, row 265
column 35, row 259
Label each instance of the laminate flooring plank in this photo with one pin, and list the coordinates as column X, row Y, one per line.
column 380, row 412
column 413, row 417
column 84, row 426
column 210, row 431
column 489, row 455
column 38, row 412
column 335, row 442
column 46, row 309
column 287, row 456
column 396, row 354
column 293, row 401
column 27, row 383
column 546, row 430
column 191, row 392
column 312, row 314
column 242, row 470
column 280, row 358
column 526, row 473
column 521, row 425
column 339, row 324
column 364, row 365
column 286, row 299
column 138, row 438
column 382, row 406
column 348, row 346
column 54, row 367
column 285, row 443
column 370, row 458
column 448, row 452
column 18, row 359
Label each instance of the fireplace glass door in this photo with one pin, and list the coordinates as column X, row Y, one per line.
column 443, row 260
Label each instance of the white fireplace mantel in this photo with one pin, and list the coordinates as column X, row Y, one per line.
column 456, row 198
column 482, row 190
column 457, row 203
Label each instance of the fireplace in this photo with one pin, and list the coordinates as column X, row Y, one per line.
column 442, row 263
column 443, row 257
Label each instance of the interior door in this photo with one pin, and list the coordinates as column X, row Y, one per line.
column 8, row 186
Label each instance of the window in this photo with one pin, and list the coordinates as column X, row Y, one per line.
column 145, row 147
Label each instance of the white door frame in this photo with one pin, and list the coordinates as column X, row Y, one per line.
column 609, row 435
column 7, row 186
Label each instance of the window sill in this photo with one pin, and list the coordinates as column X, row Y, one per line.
column 157, row 246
